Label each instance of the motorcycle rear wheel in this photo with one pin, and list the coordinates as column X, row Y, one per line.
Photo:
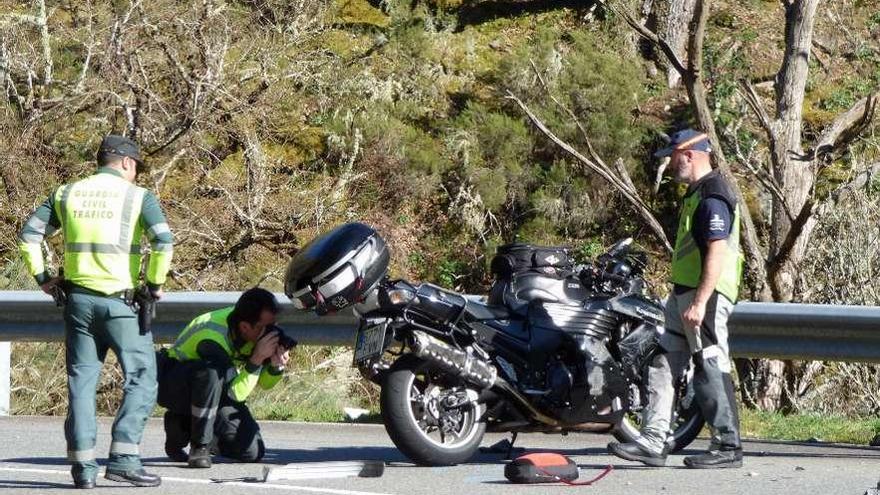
column 411, row 408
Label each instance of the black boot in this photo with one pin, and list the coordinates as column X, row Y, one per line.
column 84, row 484
column 199, row 456
column 715, row 459
column 137, row 477
column 176, row 455
column 634, row 452
column 176, row 436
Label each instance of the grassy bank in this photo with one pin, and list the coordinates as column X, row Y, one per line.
column 317, row 386
column 321, row 383
column 803, row 427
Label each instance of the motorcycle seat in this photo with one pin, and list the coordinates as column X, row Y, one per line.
column 477, row 311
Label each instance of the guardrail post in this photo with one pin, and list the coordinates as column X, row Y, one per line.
column 5, row 378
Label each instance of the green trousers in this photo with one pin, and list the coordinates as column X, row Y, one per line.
column 95, row 324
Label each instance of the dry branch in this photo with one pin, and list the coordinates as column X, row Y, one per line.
column 846, row 128
column 747, row 91
column 649, row 35
column 604, row 172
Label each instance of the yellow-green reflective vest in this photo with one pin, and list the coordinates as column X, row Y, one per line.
column 687, row 261
column 102, row 233
column 213, row 326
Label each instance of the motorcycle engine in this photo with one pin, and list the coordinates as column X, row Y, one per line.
column 583, row 379
column 559, row 382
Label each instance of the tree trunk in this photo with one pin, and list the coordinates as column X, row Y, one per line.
column 794, row 171
column 45, row 42
column 677, row 22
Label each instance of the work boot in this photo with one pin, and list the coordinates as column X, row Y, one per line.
column 715, row 459
column 199, row 456
column 84, row 483
column 632, row 451
column 137, row 477
column 176, row 455
column 176, row 436
column 84, row 475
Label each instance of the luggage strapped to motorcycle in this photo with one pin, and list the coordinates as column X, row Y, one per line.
column 515, row 258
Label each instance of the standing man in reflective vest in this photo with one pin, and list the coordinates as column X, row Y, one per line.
column 209, row 372
column 706, row 272
column 103, row 219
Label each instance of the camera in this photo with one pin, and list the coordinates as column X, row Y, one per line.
column 284, row 340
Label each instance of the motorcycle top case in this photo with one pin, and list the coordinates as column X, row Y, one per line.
column 541, row 468
column 518, row 257
column 337, row 269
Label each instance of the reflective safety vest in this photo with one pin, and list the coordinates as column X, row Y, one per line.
column 102, row 232
column 212, row 326
column 687, row 261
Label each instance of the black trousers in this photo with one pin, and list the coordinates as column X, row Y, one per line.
column 200, row 411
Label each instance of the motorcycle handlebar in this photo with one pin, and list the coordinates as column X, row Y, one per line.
column 600, row 273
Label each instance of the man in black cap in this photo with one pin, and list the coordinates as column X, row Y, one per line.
column 218, row 360
column 103, row 218
column 706, row 273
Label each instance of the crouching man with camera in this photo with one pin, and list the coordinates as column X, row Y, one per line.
column 206, row 376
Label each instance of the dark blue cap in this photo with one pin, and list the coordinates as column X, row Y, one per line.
column 117, row 145
column 686, row 139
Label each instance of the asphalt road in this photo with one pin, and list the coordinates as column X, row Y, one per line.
column 32, row 462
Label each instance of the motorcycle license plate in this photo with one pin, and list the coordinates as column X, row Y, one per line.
column 370, row 343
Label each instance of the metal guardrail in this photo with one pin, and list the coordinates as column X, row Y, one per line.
column 31, row 316
column 769, row 330
column 806, row 332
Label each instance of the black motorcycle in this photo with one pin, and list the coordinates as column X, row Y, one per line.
column 556, row 349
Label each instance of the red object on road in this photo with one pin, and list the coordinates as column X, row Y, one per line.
column 547, row 467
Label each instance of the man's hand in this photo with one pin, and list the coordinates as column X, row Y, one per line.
column 692, row 318
column 157, row 294
column 280, row 358
column 49, row 286
column 265, row 348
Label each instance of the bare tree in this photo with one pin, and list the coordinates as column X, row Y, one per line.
column 190, row 81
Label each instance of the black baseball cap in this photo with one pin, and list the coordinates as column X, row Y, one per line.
column 686, row 139
column 114, row 144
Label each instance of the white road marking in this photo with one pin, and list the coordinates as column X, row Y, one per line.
column 199, row 481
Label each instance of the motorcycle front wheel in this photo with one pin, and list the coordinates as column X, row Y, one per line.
column 687, row 421
column 425, row 416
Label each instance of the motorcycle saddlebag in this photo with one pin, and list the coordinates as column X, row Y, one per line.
column 517, row 258
column 543, row 467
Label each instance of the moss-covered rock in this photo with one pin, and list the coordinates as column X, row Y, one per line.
column 359, row 12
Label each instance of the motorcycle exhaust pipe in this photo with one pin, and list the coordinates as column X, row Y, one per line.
column 453, row 361
column 471, row 369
